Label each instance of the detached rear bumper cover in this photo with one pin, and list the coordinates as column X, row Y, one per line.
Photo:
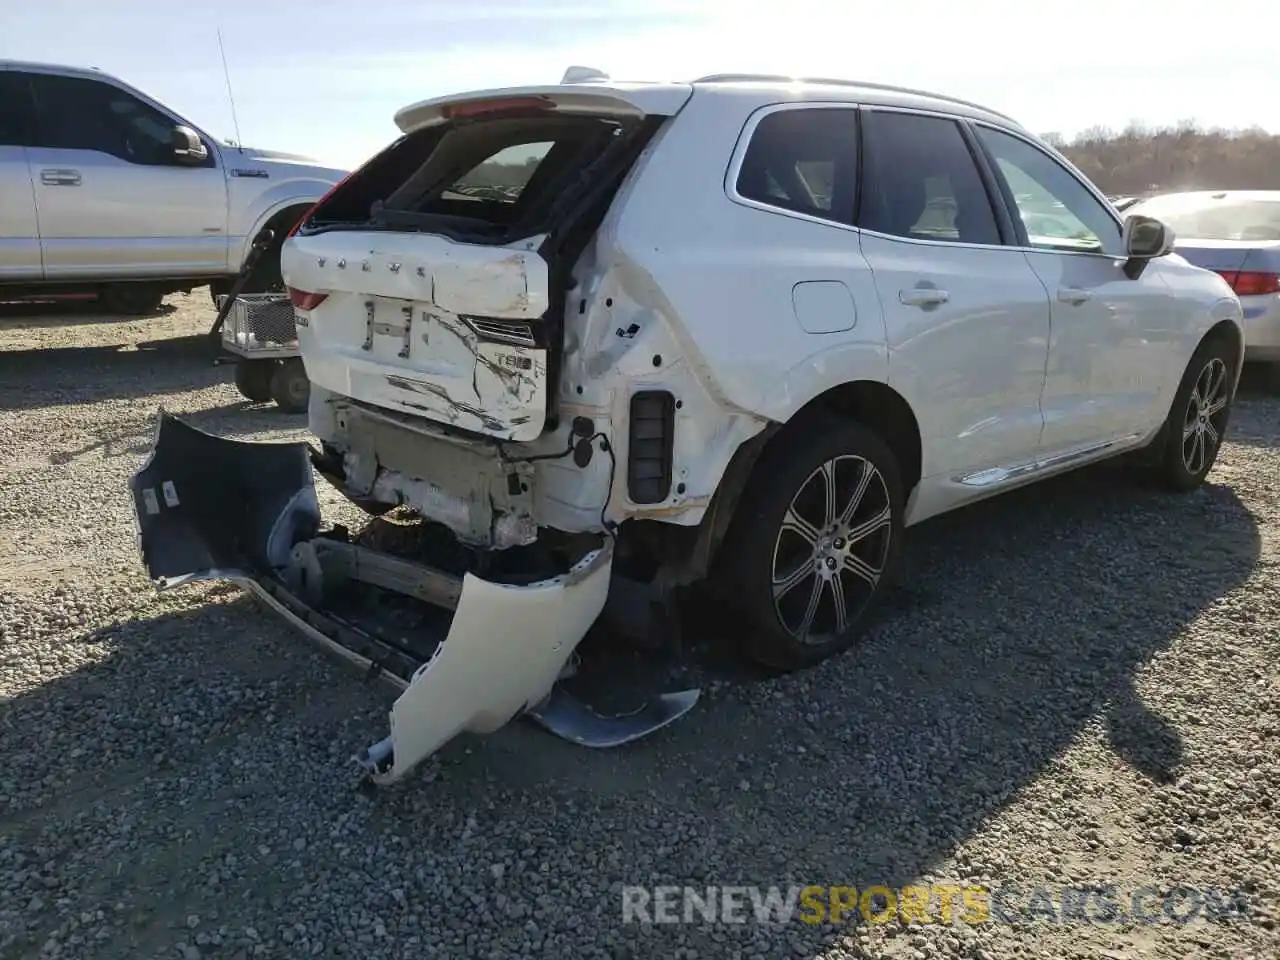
column 212, row 508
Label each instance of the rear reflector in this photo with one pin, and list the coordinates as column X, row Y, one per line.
column 304, row 300
column 478, row 108
column 1251, row 283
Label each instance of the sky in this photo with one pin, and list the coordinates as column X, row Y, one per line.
column 324, row 77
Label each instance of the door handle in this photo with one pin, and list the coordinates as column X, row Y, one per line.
column 60, row 178
column 923, row 297
column 1073, row 295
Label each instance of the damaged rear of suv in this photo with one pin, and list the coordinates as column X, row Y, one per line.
column 597, row 341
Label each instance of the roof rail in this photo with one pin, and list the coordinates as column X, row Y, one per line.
column 829, row 81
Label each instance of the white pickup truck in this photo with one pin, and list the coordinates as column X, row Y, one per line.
column 105, row 191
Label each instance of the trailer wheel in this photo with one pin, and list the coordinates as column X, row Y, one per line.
column 290, row 387
column 255, row 379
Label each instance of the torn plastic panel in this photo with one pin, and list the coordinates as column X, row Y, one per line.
column 214, row 508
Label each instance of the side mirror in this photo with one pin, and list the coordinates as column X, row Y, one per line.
column 1145, row 238
column 188, row 148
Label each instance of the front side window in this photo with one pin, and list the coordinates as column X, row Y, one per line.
column 75, row 113
column 803, row 160
column 1058, row 211
column 921, row 182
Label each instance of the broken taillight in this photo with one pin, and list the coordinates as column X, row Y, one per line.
column 478, row 108
column 305, row 300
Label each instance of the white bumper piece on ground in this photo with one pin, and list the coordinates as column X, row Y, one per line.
column 504, row 652
column 212, row 508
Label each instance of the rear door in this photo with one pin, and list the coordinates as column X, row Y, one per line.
column 432, row 281
column 19, row 233
column 113, row 200
column 967, row 318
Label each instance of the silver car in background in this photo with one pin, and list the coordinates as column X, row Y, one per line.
column 1235, row 233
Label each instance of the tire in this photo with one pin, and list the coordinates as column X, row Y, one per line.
column 764, row 558
column 1198, row 418
column 254, row 379
column 131, row 299
column 290, row 388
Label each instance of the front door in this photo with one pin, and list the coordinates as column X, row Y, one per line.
column 967, row 317
column 1110, row 353
column 113, row 199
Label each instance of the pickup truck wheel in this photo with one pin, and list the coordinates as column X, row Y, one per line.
column 814, row 541
column 131, row 299
column 217, row 288
column 1198, row 418
column 290, row 388
column 254, row 379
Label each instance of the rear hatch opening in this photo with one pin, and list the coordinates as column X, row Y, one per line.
column 433, row 281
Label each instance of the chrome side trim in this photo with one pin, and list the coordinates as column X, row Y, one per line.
column 995, row 476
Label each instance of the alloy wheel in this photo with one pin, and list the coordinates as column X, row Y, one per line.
column 1205, row 417
column 831, row 549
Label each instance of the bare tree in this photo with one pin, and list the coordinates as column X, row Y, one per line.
column 1140, row 159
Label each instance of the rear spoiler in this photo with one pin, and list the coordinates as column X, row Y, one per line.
column 596, row 99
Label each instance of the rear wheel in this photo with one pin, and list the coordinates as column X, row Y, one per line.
column 131, row 299
column 254, row 379
column 813, row 542
column 290, row 388
column 1198, row 419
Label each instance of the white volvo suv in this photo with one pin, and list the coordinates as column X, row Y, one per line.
column 106, row 191
column 743, row 330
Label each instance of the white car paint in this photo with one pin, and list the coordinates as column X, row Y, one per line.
column 79, row 214
column 1001, row 376
column 1017, row 362
column 478, row 680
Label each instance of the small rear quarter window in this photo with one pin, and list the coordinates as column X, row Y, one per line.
column 803, row 160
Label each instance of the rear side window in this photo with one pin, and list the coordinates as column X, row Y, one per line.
column 803, row 160
column 920, row 181
column 17, row 114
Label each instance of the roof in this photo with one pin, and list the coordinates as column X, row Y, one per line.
column 53, row 68
column 862, row 91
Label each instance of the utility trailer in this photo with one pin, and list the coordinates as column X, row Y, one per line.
column 260, row 337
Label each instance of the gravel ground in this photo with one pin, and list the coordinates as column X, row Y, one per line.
column 1079, row 686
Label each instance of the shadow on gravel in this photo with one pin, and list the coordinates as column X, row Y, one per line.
column 229, row 419
column 1020, row 621
column 56, row 376
column 49, row 314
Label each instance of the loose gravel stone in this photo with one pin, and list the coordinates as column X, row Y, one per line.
column 1075, row 685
